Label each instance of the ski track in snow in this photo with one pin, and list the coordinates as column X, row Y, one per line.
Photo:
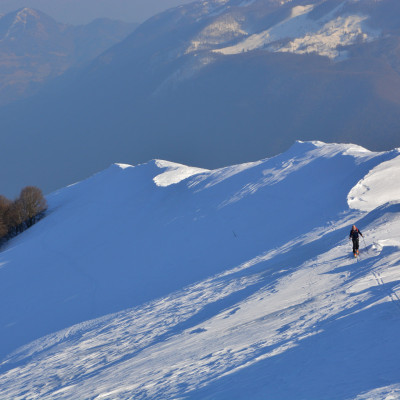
column 296, row 317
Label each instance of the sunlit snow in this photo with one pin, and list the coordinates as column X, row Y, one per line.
column 161, row 281
column 174, row 173
column 301, row 34
column 380, row 186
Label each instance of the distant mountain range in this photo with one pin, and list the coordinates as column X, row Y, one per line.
column 35, row 48
column 213, row 83
column 85, row 11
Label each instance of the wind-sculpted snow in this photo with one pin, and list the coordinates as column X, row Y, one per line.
column 380, row 186
column 161, row 281
column 174, row 173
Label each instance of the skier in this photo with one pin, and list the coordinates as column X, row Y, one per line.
column 354, row 236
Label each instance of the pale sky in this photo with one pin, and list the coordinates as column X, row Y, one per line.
column 84, row 11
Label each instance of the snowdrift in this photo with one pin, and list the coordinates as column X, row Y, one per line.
column 166, row 281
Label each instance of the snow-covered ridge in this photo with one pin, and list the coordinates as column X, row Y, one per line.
column 174, row 173
column 167, row 173
column 301, row 34
column 380, row 186
column 161, row 281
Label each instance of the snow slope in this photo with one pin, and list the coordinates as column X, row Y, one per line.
column 301, row 34
column 162, row 281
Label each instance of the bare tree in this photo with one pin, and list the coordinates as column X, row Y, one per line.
column 14, row 218
column 3, row 228
column 4, row 206
column 32, row 204
column 22, row 213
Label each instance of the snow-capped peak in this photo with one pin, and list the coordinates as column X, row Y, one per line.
column 174, row 173
column 26, row 12
column 22, row 21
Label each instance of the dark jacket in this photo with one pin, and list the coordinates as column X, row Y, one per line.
column 354, row 233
